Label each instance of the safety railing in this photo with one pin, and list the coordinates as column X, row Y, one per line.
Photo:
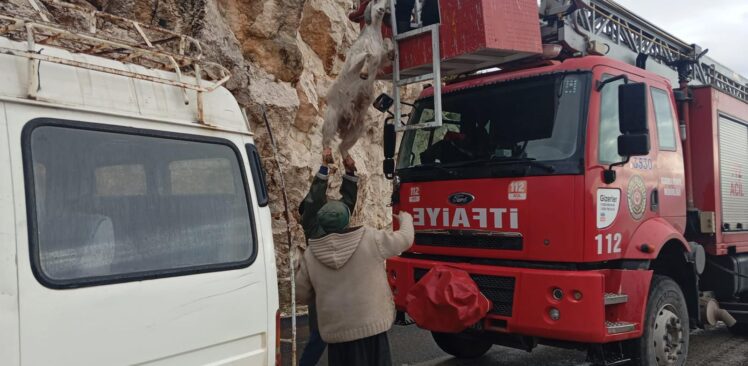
column 606, row 19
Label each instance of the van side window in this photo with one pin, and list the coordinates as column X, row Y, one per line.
column 609, row 127
column 665, row 122
column 115, row 206
column 258, row 175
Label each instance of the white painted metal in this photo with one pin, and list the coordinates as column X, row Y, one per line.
column 9, row 344
column 169, row 51
column 733, row 159
column 219, row 318
column 87, row 89
column 435, row 75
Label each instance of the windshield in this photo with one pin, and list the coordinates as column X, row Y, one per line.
column 528, row 120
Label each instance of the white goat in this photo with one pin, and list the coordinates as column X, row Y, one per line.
column 353, row 91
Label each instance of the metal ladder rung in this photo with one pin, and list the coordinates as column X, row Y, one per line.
column 415, row 32
column 415, row 79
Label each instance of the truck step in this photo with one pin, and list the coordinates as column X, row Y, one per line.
column 613, row 299
column 619, row 327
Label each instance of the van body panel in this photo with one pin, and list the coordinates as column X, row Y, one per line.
column 265, row 235
column 222, row 318
column 9, row 346
column 72, row 87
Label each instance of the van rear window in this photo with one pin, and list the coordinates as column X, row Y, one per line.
column 108, row 205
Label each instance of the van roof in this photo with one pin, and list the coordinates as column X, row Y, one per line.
column 83, row 88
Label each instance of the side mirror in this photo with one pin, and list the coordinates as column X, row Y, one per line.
column 388, row 168
column 632, row 107
column 383, row 102
column 632, row 122
column 632, row 114
column 633, row 145
column 388, row 165
column 389, row 137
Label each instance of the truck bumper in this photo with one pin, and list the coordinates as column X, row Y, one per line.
column 523, row 299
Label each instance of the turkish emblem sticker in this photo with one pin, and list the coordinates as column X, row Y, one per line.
column 637, row 197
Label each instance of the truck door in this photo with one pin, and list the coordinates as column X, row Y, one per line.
column 666, row 140
column 141, row 246
column 9, row 347
column 616, row 209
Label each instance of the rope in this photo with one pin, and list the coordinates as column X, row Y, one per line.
column 291, row 250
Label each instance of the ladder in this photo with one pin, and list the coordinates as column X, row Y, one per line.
column 605, row 27
column 435, row 74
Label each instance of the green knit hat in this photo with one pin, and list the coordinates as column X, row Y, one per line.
column 334, row 216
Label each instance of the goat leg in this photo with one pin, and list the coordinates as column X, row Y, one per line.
column 389, row 50
column 366, row 68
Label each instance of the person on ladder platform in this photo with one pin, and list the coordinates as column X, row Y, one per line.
column 343, row 273
column 404, row 12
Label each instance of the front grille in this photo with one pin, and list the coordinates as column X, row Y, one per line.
column 500, row 290
column 467, row 240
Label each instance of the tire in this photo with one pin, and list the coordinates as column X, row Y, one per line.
column 460, row 345
column 666, row 329
column 740, row 329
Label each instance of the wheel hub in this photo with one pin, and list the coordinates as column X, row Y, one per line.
column 668, row 336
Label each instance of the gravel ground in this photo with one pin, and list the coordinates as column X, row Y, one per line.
column 414, row 346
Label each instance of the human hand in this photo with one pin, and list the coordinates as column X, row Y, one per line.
column 349, row 164
column 327, row 156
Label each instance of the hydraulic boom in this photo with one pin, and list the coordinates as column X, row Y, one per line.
column 604, row 27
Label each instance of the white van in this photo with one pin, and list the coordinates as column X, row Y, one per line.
column 130, row 233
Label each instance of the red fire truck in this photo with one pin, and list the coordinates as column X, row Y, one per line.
column 592, row 183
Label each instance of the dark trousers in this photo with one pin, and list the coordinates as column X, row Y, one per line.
column 403, row 11
column 314, row 349
column 315, row 346
column 369, row 351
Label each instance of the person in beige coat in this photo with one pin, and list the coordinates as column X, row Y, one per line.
column 343, row 271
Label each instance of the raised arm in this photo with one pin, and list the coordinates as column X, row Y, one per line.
column 349, row 187
column 393, row 243
column 314, row 200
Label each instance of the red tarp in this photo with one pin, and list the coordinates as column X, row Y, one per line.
column 446, row 300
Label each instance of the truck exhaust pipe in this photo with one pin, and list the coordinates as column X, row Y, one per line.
column 711, row 313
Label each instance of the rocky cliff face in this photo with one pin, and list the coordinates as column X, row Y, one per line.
column 283, row 55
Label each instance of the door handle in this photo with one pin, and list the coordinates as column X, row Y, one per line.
column 654, row 200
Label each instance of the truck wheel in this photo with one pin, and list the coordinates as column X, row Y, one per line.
column 740, row 329
column 461, row 345
column 666, row 329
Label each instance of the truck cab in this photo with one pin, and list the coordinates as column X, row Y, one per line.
column 134, row 226
column 580, row 193
column 511, row 189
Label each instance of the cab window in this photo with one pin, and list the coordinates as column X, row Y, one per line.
column 112, row 206
column 665, row 121
column 609, row 126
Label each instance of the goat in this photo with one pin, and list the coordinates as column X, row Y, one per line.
column 353, row 91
